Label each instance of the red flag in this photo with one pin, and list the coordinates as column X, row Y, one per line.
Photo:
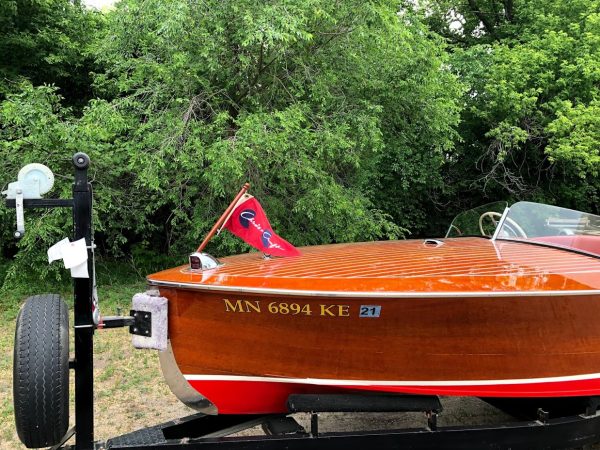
column 249, row 222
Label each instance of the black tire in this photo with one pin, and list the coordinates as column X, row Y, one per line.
column 41, row 371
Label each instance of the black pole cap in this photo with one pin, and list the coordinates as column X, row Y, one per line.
column 81, row 160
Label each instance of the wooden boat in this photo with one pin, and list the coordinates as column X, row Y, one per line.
column 510, row 315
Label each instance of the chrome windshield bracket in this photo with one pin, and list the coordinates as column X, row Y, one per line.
column 500, row 223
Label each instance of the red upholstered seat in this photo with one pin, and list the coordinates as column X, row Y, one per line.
column 586, row 243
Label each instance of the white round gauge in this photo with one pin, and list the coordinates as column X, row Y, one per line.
column 37, row 172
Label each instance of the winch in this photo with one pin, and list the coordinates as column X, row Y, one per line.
column 33, row 181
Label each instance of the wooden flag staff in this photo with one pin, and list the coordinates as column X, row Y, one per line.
column 223, row 217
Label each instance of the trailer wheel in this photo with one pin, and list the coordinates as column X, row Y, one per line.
column 41, row 371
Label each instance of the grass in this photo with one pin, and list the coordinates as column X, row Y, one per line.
column 130, row 392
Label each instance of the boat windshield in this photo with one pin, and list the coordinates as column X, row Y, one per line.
column 551, row 225
column 480, row 221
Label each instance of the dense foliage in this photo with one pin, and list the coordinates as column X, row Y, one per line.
column 44, row 41
column 530, row 126
column 352, row 120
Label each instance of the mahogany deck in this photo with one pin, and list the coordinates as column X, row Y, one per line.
column 459, row 265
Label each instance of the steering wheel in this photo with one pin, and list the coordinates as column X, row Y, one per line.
column 459, row 233
column 509, row 225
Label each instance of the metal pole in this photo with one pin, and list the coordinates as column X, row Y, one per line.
column 84, row 325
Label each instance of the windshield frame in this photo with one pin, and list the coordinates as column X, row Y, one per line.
column 469, row 219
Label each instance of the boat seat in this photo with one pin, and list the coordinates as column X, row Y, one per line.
column 586, row 243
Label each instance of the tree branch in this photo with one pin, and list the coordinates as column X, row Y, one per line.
column 489, row 26
column 509, row 10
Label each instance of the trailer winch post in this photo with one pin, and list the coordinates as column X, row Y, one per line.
column 83, row 300
column 83, row 291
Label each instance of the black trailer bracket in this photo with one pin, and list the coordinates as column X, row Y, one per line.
column 142, row 323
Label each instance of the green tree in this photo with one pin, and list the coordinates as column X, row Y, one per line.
column 530, row 127
column 340, row 114
column 44, row 41
column 36, row 127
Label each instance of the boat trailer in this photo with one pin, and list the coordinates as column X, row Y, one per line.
column 208, row 432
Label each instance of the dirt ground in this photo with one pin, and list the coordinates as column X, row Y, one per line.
column 131, row 394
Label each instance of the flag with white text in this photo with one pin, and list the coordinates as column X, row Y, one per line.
column 249, row 222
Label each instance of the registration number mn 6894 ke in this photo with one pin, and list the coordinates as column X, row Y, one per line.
column 297, row 309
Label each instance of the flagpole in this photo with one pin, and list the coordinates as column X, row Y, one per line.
column 224, row 216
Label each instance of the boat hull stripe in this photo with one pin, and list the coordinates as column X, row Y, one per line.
column 258, row 395
column 334, row 382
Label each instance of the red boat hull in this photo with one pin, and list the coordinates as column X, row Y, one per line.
column 261, row 396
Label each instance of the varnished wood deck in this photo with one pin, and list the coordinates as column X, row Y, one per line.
column 463, row 265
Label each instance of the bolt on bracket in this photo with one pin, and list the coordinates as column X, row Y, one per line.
column 142, row 323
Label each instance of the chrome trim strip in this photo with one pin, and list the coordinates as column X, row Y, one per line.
column 368, row 294
column 340, row 382
column 179, row 385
